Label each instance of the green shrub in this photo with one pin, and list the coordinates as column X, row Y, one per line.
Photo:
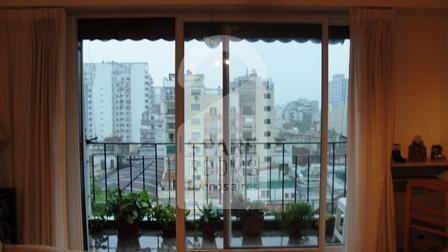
column 294, row 213
column 131, row 206
column 164, row 214
column 210, row 212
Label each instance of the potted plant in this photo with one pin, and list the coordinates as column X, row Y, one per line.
column 329, row 225
column 98, row 218
column 251, row 218
column 165, row 215
column 210, row 218
column 293, row 217
column 128, row 211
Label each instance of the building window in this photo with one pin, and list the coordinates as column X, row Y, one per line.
column 247, row 135
column 195, row 92
column 267, row 108
column 267, row 121
column 170, row 125
column 267, row 96
column 213, row 111
column 267, row 133
column 265, row 193
column 195, row 107
column 195, row 136
column 248, row 110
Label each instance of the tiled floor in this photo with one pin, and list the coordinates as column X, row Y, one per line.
column 153, row 241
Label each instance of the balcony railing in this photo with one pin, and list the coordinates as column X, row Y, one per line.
column 275, row 173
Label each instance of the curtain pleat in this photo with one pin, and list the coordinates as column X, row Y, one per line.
column 33, row 71
column 370, row 204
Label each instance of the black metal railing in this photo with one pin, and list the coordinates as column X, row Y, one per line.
column 275, row 173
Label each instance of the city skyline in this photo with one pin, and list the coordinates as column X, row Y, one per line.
column 124, row 103
column 294, row 65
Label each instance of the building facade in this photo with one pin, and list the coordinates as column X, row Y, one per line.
column 116, row 96
column 337, row 106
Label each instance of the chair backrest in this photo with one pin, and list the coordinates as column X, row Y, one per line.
column 436, row 226
column 428, row 184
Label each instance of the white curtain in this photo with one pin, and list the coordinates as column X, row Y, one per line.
column 370, row 211
column 32, row 75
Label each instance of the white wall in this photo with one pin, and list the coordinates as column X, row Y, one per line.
column 419, row 56
column 422, row 90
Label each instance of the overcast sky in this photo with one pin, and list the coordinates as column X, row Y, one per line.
column 294, row 67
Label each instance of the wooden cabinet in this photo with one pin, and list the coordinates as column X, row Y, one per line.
column 402, row 172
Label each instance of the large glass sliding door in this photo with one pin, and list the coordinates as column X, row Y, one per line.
column 203, row 134
column 338, row 74
column 275, row 104
column 128, row 130
column 224, row 125
column 253, row 101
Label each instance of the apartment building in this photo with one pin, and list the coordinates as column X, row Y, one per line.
column 117, row 95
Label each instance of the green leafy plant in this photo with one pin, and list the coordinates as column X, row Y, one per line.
column 98, row 211
column 131, row 207
column 210, row 217
column 97, row 219
column 250, row 214
column 209, row 212
column 165, row 215
column 329, row 224
column 293, row 217
column 242, row 207
column 295, row 213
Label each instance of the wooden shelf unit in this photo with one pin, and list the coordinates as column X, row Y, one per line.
column 429, row 169
column 424, row 164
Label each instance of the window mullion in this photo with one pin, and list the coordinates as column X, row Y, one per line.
column 324, row 137
column 179, row 121
column 226, row 141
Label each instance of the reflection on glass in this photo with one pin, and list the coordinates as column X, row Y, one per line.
column 274, row 113
column 203, row 143
column 275, row 91
column 338, row 60
column 128, row 108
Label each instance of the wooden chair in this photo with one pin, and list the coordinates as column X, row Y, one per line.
column 437, row 225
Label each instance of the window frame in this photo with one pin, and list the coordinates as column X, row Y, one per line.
column 325, row 19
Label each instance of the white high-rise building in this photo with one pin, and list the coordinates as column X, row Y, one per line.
column 337, row 101
column 116, row 95
column 337, row 90
column 255, row 118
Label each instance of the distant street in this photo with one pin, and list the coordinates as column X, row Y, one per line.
column 138, row 181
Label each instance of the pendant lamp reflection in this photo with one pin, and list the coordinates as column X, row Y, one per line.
column 212, row 41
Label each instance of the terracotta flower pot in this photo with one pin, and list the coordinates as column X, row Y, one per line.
column 96, row 226
column 127, row 230
column 329, row 227
column 209, row 228
column 251, row 225
column 295, row 229
column 169, row 230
